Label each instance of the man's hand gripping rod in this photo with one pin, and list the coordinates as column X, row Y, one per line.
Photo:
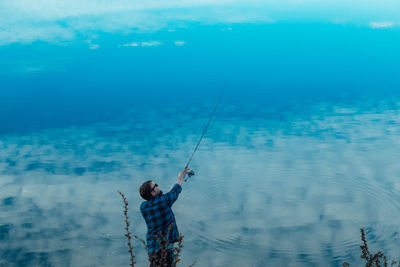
column 191, row 173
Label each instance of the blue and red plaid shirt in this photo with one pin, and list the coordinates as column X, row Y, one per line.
column 158, row 214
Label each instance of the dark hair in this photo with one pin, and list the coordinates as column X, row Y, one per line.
column 145, row 190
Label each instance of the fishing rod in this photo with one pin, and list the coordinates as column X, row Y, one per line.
column 191, row 173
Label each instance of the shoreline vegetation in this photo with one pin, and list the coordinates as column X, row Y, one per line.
column 372, row 260
column 163, row 241
column 377, row 259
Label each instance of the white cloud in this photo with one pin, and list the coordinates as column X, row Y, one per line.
column 26, row 33
column 151, row 43
column 94, row 46
column 147, row 43
column 226, row 29
column 381, row 25
column 26, row 21
column 68, row 177
column 31, row 69
column 134, row 44
column 179, row 43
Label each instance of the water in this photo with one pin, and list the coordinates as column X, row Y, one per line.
column 301, row 154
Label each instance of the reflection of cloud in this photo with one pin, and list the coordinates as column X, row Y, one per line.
column 25, row 32
column 58, row 21
column 147, row 43
column 151, row 43
column 381, row 25
column 283, row 188
column 94, row 46
column 226, row 29
column 134, row 44
column 33, row 69
column 179, row 43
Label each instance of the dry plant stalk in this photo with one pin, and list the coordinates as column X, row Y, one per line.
column 178, row 250
column 128, row 233
column 163, row 242
column 371, row 259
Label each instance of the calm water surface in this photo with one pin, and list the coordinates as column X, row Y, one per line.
column 301, row 154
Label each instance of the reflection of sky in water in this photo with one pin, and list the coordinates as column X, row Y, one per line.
column 64, row 21
column 97, row 97
column 286, row 192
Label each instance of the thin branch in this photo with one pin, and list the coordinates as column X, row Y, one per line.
column 128, row 233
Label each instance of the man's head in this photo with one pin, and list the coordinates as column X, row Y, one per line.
column 149, row 189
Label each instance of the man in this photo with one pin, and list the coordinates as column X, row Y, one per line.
column 162, row 231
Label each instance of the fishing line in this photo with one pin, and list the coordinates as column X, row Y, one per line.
column 191, row 173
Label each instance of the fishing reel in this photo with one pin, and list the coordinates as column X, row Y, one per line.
column 189, row 174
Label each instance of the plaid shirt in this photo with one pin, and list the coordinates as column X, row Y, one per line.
column 158, row 215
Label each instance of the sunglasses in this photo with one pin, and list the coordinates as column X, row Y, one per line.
column 155, row 185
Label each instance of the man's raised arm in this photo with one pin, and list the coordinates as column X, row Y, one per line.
column 175, row 190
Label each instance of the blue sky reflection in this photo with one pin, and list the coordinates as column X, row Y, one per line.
column 65, row 21
column 98, row 96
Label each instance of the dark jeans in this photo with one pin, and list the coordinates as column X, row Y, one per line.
column 157, row 259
